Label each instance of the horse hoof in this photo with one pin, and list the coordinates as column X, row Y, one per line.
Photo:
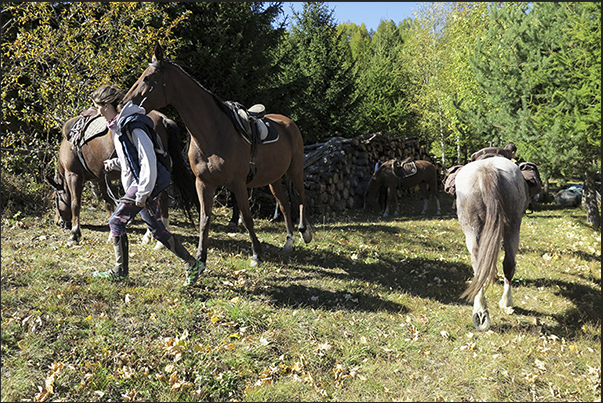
column 307, row 235
column 255, row 262
column 232, row 224
column 72, row 242
column 508, row 310
column 288, row 247
column 481, row 320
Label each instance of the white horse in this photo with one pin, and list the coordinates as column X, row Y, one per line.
column 491, row 198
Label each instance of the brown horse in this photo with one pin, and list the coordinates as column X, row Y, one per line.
column 220, row 156
column 404, row 174
column 71, row 175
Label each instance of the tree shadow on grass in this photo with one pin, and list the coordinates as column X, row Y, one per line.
column 586, row 308
column 440, row 280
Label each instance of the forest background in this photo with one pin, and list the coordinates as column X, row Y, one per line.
column 457, row 75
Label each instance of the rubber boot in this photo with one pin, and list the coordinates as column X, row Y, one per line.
column 192, row 266
column 120, row 271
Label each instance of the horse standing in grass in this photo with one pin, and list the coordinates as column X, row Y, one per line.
column 220, row 155
column 405, row 174
column 491, row 198
column 78, row 167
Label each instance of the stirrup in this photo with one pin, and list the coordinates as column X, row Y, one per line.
column 109, row 275
column 192, row 273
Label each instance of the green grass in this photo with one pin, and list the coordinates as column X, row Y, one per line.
column 368, row 311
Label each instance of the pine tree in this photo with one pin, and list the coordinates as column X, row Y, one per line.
column 318, row 76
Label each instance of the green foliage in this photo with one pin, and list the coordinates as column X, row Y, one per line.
column 383, row 85
column 542, row 69
column 230, row 47
column 55, row 54
column 457, row 75
column 23, row 195
column 318, row 76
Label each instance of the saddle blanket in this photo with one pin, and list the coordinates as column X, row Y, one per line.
column 90, row 125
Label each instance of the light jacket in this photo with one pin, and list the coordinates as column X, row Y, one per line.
column 136, row 156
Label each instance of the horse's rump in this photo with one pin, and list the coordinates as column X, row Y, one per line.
column 484, row 212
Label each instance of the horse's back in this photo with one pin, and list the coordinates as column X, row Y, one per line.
column 479, row 179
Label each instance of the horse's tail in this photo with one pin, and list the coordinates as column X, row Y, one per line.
column 490, row 233
column 182, row 177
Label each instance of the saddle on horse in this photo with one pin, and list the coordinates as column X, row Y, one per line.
column 252, row 126
column 490, row 152
column 450, row 182
column 90, row 124
column 530, row 173
column 404, row 168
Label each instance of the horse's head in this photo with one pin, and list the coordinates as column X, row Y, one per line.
column 62, row 201
column 149, row 91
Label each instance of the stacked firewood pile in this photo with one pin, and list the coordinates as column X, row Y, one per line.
column 338, row 171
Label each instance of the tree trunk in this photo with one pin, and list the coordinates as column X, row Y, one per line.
column 593, row 215
column 442, row 136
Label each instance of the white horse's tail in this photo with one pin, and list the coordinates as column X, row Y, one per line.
column 490, row 232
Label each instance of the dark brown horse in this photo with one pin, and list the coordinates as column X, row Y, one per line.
column 71, row 175
column 404, row 174
column 220, row 156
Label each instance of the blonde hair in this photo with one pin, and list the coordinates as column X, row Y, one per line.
column 108, row 94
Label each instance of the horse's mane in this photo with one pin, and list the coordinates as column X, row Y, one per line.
column 219, row 101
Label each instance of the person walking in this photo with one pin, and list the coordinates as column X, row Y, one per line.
column 143, row 178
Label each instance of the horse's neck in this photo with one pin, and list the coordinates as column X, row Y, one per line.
column 195, row 105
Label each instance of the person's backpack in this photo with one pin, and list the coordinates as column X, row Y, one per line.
column 162, row 154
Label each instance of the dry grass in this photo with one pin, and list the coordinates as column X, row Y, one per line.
column 369, row 311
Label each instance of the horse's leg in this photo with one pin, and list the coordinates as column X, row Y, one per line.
column 437, row 199
column 75, row 183
column 425, row 195
column 206, row 199
column 236, row 214
column 281, row 196
column 109, row 204
column 433, row 190
column 481, row 316
column 240, row 192
column 297, row 180
column 511, row 246
column 391, row 201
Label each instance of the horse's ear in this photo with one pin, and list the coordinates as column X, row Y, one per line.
column 157, row 53
column 50, row 180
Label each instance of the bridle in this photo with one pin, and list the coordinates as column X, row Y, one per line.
column 153, row 84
